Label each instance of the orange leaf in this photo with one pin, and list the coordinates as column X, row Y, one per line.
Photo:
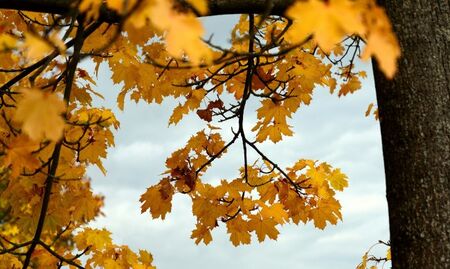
column 158, row 199
column 276, row 212
column 263, row 228
column 261, row 78
column 19, row 155
column 369, row 109
column 201, row 233
column 35, row 46
column 40, row 114
column 328, row 21
column 97, row 239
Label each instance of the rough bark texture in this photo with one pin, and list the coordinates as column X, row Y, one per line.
column 415, row 127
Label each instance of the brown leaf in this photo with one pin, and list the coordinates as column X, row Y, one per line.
column 205, row 114
column 215, row 104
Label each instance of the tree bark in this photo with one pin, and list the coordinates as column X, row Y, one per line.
column 415, row 126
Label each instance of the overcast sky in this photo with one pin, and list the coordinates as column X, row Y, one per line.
column 331, row 129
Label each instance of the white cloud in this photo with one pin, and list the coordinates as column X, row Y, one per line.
column 142, row 151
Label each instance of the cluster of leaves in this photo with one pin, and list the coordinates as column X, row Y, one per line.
column 50, row 132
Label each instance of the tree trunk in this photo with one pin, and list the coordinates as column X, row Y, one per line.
column 415, row 126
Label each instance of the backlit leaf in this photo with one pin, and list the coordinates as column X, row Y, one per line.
column 40, row 114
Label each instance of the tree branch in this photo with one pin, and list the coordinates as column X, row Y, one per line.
column 78, row 43
column 216, row 7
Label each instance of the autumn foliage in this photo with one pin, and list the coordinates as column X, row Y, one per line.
column 50, row 132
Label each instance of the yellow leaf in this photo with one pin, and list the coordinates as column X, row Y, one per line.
column 91, row 8
column 7, row 42
column 184, row 36
column 117, row 5
column 352, row 85
column 323, row 191
column 19, row 155
column 268, row 192
column 338, row 180
column 96, row 148
column 363, row 264
column 183, row 30
column 263, row 228
column 381, row 42
column 85, row 205
column 57, row 42
column 97, row 239
column 193, row 101
column 43, row 259
column 328, row 21
column 145, row 257
column 178, row 113
column 327, row 210
column 206, row 212
column 274, row 132
column 112, row 264
column 332, row 84
column 316, row 175
column 35, row 46
column 388, row 254
column 201, row 233
column 40, row 114
column 239, row 231
column 10, row 261
column 275, row 211
column 386, row 50
column 158, row 199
